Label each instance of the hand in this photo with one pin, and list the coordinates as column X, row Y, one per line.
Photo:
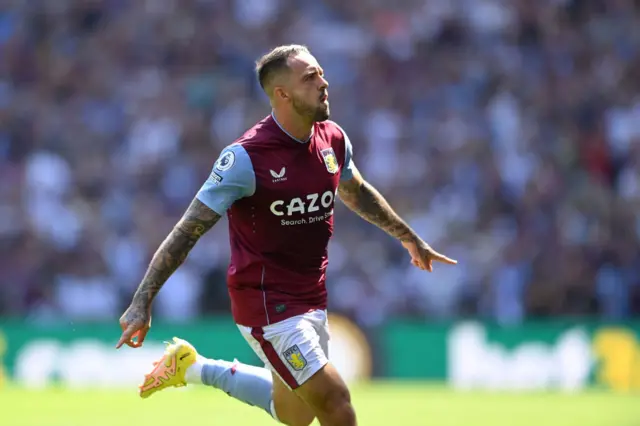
column 135, row 323
column 422, row 255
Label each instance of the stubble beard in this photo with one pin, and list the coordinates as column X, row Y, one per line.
column 313, row 113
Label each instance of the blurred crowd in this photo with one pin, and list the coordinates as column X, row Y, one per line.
column 507, row 132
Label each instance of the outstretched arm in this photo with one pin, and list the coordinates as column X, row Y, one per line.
column 173, row 251
column 232, row 178
column 362, row 198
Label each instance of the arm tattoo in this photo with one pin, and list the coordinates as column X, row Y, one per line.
column 368, row 203
column 173, row 251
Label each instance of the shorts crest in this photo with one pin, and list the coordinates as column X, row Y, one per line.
column 295, row 358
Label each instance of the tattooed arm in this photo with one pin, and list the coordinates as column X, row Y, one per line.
column 231, row 179
column 173, row 251
column 362, row 198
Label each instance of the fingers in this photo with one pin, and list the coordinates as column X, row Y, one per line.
column 423, row 258
column 140, row 335
column 126, row 336
column 132, row 336
column 426, row 263
column 444, row 259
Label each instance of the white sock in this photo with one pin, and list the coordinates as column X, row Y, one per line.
column 194, row 372
column 247, row 383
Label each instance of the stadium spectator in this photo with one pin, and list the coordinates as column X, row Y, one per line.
column 507, row 131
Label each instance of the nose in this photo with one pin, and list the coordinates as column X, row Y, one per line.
column 323, row 83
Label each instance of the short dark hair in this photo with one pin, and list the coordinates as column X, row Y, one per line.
column 275, row 62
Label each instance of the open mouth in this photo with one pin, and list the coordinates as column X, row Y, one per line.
column 324, row 97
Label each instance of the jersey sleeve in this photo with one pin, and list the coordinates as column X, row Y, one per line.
column 232, row 178
column 347, row 168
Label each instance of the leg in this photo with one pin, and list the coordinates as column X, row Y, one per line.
column 255, row 386
column 329, row 397
column 247, row 383
column 290, row 408
column 182, row 365
column 296, row 350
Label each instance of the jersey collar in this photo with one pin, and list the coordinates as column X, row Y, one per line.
column 289, row 134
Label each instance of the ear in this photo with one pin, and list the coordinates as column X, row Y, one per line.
column 280, row 93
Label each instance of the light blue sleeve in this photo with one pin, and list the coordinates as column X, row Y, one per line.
column 347, row 168
column 232, row 178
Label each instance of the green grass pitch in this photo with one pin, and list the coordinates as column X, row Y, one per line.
column 380, row 404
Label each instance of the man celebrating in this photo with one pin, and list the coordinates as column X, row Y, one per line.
column 277, row 183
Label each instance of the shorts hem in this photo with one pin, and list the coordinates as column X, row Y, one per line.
column 309, row 374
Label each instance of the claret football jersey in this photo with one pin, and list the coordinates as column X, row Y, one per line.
column 278, row 194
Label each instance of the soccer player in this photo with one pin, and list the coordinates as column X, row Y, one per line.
column 277, row 184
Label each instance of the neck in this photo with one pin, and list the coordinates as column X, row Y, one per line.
column 295, row 126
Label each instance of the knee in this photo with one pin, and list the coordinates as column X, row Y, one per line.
column 337, row 406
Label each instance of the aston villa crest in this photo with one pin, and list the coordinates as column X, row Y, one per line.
column 330, row 160
column 295, row 358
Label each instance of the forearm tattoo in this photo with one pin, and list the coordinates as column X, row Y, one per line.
column 369, row 204
column 173, row 251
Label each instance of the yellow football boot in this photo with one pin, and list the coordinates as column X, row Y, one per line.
column 169, row 370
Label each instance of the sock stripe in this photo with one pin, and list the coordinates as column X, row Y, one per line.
column 273, row 358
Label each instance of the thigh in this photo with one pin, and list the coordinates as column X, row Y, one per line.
column 328, row 396
column 290, row 408
column 292, row 349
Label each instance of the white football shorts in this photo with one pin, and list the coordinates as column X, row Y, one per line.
column 295, row 349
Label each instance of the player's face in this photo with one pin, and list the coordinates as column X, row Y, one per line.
column 308, row 87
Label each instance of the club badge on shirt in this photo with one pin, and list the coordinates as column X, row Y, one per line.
column 330, row 160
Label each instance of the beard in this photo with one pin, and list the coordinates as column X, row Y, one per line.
column 315, row 113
